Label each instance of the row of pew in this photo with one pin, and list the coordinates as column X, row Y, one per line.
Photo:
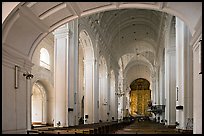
column 96, row 128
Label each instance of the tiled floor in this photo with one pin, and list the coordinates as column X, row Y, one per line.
column 146, row 127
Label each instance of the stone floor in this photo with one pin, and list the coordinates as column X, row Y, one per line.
column 146, row 127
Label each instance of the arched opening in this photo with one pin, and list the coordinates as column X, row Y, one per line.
column 39, row 104
column 140, row 95
column 44, row 58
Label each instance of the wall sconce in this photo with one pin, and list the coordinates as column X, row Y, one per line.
column 16, row 77
column 28, row 75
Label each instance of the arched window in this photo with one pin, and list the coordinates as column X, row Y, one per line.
column 44, row 58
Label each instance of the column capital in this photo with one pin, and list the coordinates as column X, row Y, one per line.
column 62, row 32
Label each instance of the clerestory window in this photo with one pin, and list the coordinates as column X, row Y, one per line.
column 44, row 58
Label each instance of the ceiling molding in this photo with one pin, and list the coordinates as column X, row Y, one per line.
column 52, row 11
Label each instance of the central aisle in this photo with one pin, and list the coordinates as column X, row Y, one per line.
column 146, row 127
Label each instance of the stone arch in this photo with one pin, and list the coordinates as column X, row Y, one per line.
column 39, row 103
column 48, row 92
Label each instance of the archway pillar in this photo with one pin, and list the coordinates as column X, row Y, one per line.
column 112, row 99
column 73, row 73
column 89, row 91
column 170, row 86
column 108, row 89
column 96, row 93
column 61, row 50
column 184, row 87
column 66, row 74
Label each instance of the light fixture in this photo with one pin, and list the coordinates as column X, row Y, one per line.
column 28, row 75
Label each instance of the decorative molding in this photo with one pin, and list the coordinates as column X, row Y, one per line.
column 52, row 11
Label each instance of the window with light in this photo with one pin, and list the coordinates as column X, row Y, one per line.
column 44, row 58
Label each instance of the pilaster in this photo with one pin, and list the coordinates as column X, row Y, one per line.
column 170, row 86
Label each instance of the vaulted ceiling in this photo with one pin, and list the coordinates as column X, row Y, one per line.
column 132, row 35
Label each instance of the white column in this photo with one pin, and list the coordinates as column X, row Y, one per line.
column 157, row 87
column 96, row 93
column 112, row 100
column 120, row 107
column 28, row 104
column 162, row 96
column 170, row 85
column 197, row 89
column 153, row 89
column 116, row 108
column 88, row 96
column 61, row 75
column 73, row 72
column 96, row 82
column 108, row 97
column 116, row 99
column 102, row 102
column 184, row 86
